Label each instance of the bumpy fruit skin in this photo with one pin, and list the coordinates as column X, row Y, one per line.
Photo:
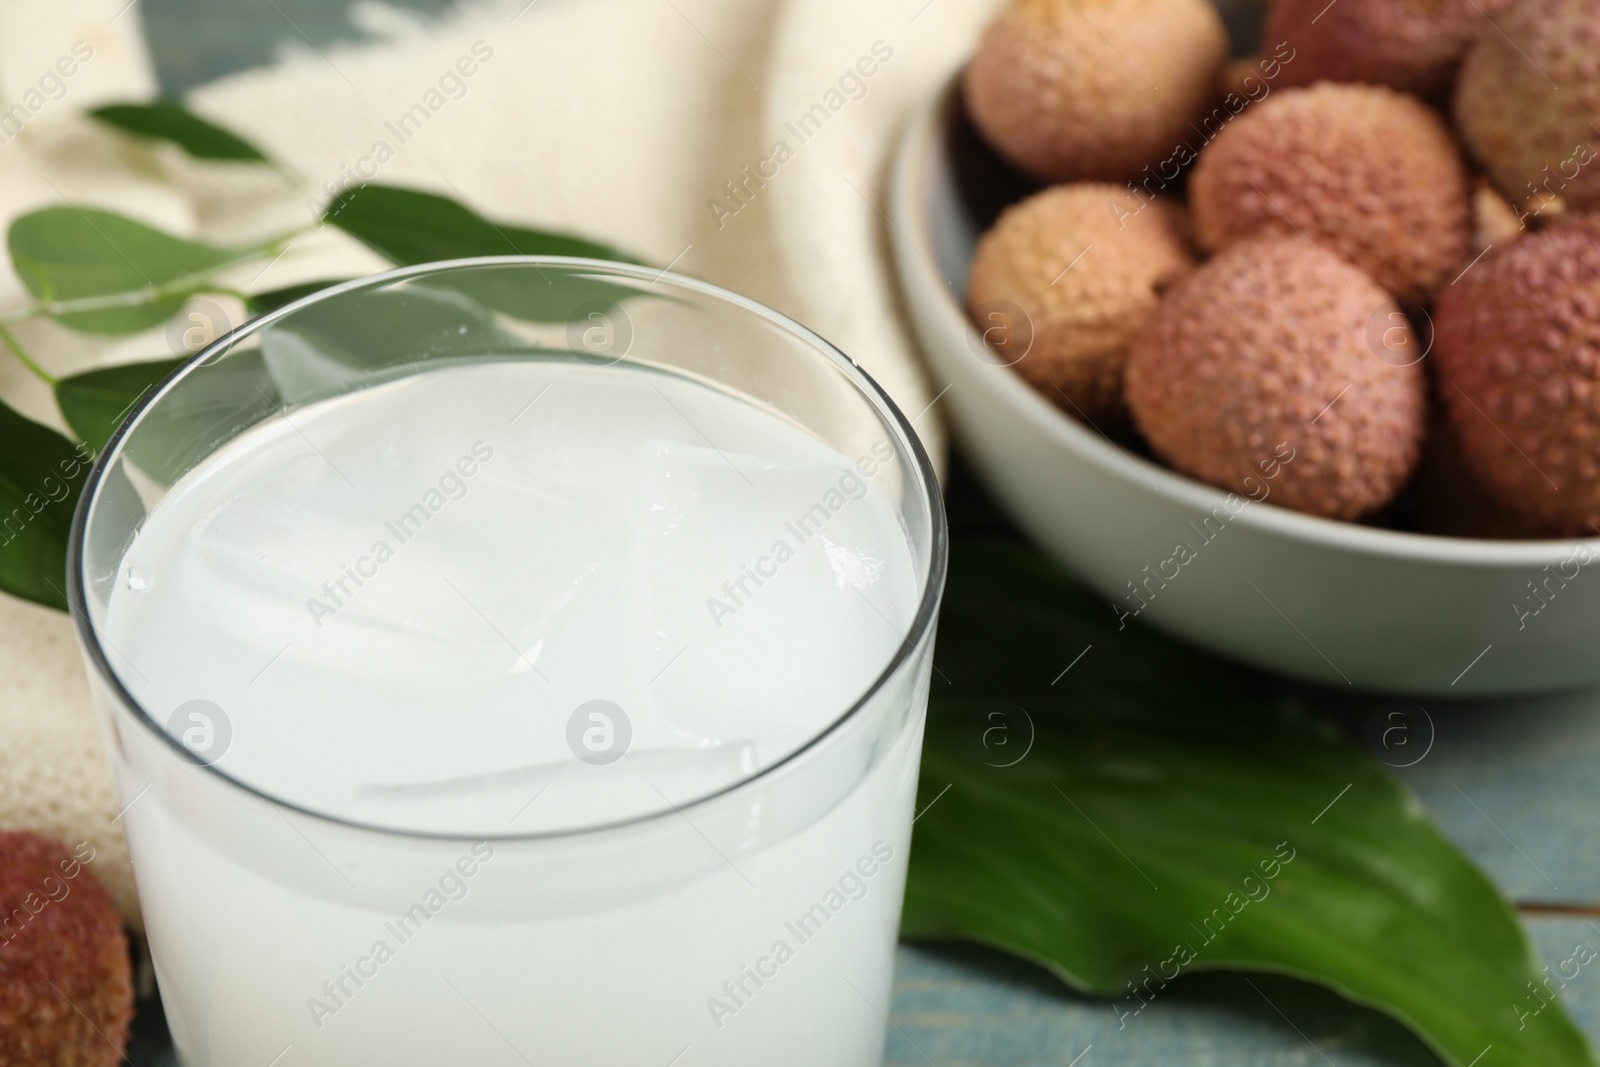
column 1534, row 137
column 1122, row 253
column 1365, row 173
column 60, row 929
column 1094, row 89
column 1270, row 345
column 1416, row 46
column 1518, row 356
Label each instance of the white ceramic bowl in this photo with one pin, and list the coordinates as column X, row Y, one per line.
column 1324, row 601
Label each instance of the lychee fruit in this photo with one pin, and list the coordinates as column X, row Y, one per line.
column 1450, row 500
column 1528, row 99
column 1416, row 46
column 1094, row 89
column 1084, row 265
column 66, row 984
column 1518, row 358
column 1361, row 172
column 1279, row 373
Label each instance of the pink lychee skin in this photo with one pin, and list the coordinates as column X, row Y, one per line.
column 1518, row 358
column 1528, row 99
column 1087, row 271
column 1071, row 90
column 66, row 985
column 1368, row 174
column 1416, row 46
column 1259, row 370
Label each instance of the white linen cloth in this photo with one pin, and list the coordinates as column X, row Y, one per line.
column 742, row 141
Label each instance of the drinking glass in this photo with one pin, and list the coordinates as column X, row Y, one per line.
column 746, row 914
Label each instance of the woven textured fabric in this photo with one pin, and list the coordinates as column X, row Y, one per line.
column 745, row 142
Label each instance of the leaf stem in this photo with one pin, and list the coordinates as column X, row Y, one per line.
column 27, row 360
column 149, row 294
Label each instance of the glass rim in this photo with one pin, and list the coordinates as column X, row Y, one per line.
column 922, row 466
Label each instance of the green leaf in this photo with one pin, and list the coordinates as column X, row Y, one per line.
column 1162, row 793
column 101, row 272
column 168, row 120
column 204, row 409
column 330, row 347
column 408, row 227
column 272, row 300
column 95, row 403
column 41, row 475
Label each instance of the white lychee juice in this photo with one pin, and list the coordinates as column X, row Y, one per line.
column 517, row 701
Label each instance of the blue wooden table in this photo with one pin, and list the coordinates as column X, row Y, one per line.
column 1513, row 783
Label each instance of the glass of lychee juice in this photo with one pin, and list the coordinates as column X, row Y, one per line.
column 516, row 661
